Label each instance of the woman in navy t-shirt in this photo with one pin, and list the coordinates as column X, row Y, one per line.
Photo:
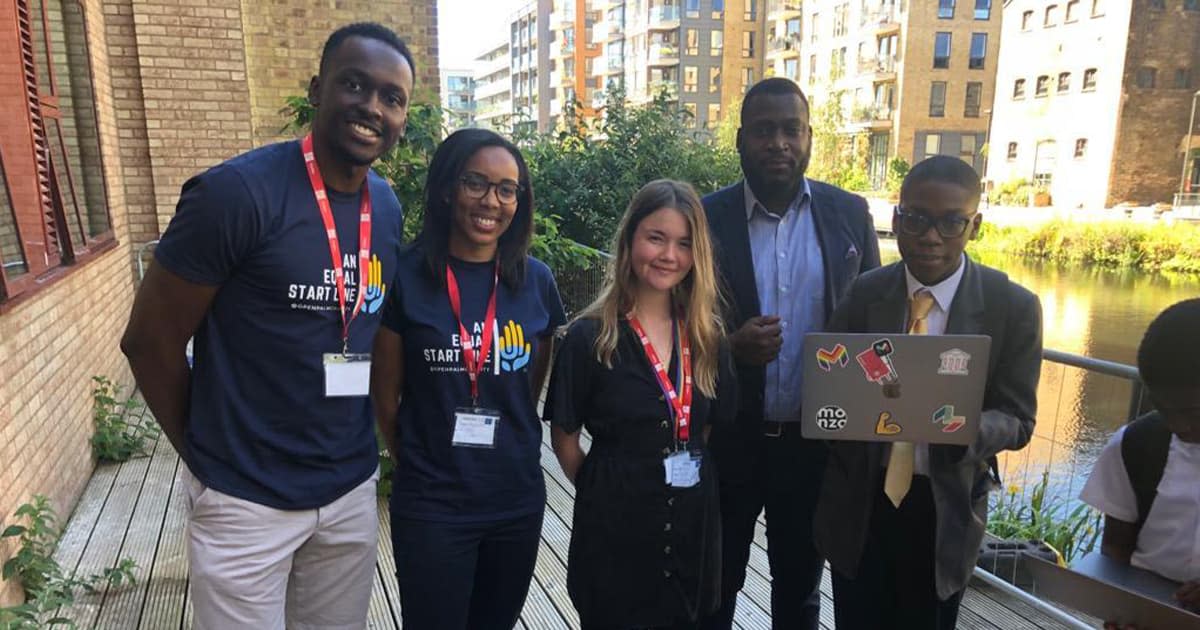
column 646, row 371
column 465, row 343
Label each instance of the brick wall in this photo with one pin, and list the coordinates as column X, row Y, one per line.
column 50, row 344
column 1153, row 121
column 283, row 46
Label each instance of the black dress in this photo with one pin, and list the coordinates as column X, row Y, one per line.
column 643, row 554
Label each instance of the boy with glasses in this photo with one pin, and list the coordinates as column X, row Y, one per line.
column 901, row 523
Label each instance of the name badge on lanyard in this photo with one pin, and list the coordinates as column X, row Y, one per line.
column 474, row 426
column 681, row 468
column 345, row 374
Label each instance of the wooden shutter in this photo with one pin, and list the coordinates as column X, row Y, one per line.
column 51, row 208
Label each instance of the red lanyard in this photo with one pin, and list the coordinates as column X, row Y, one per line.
column 335, row 251
column 681, row 404
column 473, row 361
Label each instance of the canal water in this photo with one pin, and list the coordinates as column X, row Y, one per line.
column 1091, row 311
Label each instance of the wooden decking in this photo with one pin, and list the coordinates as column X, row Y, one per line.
column 136, row 510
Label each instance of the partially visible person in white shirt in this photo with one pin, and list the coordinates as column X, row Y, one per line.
column 1160, row 529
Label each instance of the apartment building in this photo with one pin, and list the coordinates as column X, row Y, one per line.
column 573, row 50
column 493, row 89
column 703, row 53
column 916, row 77
column 529, row 50
column 458, row 97
column 1093, row 99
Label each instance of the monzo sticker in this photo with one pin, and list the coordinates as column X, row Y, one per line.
column 831, row 418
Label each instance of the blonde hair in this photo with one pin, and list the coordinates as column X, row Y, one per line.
column 696, row 296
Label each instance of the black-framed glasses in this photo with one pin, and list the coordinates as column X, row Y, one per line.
column 917, row 224
column 478, row 187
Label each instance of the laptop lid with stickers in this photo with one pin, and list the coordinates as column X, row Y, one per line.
column 889, row 387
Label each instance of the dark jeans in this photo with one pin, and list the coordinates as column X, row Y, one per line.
column 895, row 585
column 783, row 476
column 455, row 576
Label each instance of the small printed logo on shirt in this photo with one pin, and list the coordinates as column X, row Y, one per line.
column 373, row 297
column 514, row 350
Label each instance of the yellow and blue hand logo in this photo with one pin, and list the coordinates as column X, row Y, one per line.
column 514, row 351
column 373, row 298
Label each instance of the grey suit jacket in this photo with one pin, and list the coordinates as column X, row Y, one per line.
column 986, row 303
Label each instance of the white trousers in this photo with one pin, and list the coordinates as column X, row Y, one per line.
column 258, row 567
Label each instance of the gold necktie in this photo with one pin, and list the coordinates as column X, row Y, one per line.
column 898, row 479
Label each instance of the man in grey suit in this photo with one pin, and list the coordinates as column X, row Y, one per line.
column 901, row 526
column 787, row 249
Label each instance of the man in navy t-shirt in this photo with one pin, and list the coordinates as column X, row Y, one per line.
column 276, row 262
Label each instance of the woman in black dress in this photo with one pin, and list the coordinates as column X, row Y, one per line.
column 646, row 371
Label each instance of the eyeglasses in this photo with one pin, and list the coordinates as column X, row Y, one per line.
column 478, row 187
column 917, row 224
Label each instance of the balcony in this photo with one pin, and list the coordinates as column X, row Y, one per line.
column 613, row 31
column 881, row 68
column 614, row 65
column 663, row 18
column 783, row 10
column 563, row 48
column 563, row 19
column 883, row 20
column 663, row 55
column 668, row 86
column 786, row 46
column 872, row 115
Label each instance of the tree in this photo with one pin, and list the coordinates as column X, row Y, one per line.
column 838, row 157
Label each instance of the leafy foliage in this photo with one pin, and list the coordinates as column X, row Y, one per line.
column 119, row 435
column 1146, row 246
column 838, row 158
column 586, row 174
column 47, row 587
column 1071, row 533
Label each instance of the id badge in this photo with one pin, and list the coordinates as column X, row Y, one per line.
column 475, row 427
column 682, row 469
column 347, row 374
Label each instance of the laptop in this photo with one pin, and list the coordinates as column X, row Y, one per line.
column 878, row 387
column 1104, row 600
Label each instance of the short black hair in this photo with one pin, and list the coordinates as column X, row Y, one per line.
column 774, row 86
column 441, row 187
column 369, row 30
column 945, row 169
column 1169, row 355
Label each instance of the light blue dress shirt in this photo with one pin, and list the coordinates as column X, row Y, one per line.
column 790, row 279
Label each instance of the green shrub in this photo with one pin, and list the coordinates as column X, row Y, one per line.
column 1071, row 533
column 119, row 434
column 1145, row 246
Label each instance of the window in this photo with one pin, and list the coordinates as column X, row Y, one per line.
column 966, row 147
column 945, row 9
column 1012, row 151
column 1072, row 11
column 749, row 14
column 1043, row 86
column 748, row 44
column 1018, row 89
column 840, row 17
column 693, row 42
column 714, row 79
column 718, row 9
column 1064, row 82
column 812, row 69
column 790, row 69
column 1145, row 77
column 983, row 9
column 793, row 27
column 691, row 76
column 1080, row 147
column 59, row 214
column 978, row 51
column 714, row 115
column 1183, row 79
column 1026, row 20
column 718, row 43
column 941, row 50
column 747, row 79
column 1097, row 8
column 837, row 64
column 1157, row 4
column 933, row 144
column 1191, row 5
column 973, row 98
column 813, row 28
column 692, row 8
column 937, row 99
column 1051, row 16
column 1089, row 79
column 690, row 108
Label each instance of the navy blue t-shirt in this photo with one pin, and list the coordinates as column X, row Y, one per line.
column 435, row 480
column 259, row 425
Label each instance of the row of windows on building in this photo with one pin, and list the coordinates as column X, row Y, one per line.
column 1145, row 77
column 1054, row 14
column 983, row 9
column 972, row 99
column 943, row 43
column 945, row 11
column 1079, row 153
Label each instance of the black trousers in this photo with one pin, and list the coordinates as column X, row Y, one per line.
column 895, row 585
column 459, row 576
column 783, row 476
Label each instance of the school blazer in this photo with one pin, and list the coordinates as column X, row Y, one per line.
column 986, row 303
column 849, row 247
